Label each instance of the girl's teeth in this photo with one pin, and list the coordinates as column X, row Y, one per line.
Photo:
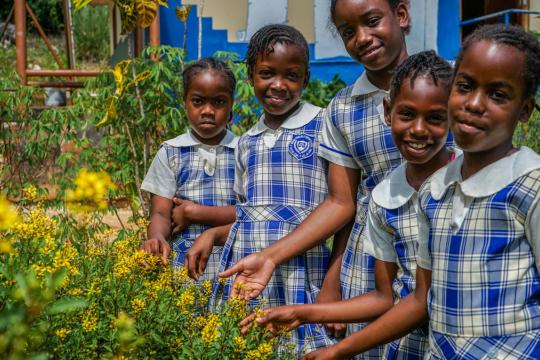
column 417, row 146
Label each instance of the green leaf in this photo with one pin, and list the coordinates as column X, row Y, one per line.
column 66, row 305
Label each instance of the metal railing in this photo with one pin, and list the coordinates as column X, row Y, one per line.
column 505, row 14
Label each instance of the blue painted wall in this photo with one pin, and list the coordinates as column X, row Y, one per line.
column 216, row 40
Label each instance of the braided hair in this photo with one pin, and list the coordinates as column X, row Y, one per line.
column 425, row 63
column 264, row 40
column 516, row 37
column 206, row 64
column 393, row 5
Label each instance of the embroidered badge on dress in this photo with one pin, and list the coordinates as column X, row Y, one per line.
column 301, row 146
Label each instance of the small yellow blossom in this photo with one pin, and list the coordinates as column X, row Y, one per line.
column 186, row 300
column 89, row 321
column 8, row 215
column 261, row 353
column 91, row 189
column 62, row 333
column 6, row 247
column 210, row 332
column 138, row 305
column 239, row 343
column 29, row 193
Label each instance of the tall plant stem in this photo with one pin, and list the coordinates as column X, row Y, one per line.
column 141, row 110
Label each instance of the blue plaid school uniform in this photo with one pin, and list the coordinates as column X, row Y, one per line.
column 392, row 234
column 280, row 180
column 480, row 237
column 196, row 172
column 356, row 136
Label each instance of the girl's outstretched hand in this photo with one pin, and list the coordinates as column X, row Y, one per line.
column 327, row 353
column 198, row 254
column 157, row 247
column 253, row 274
column 276, row 320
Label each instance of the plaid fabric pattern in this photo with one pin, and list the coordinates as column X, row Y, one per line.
column 194, row 184
column 519, row 347
column 370, row 143
column 485, row 291
column 280, row 191
column 402, row 224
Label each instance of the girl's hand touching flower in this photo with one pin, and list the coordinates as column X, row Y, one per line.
column 276, row 320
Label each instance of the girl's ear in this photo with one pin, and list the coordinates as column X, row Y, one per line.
column 387, row 110
column 306, row 79
column 527, row 109
column 402, row 14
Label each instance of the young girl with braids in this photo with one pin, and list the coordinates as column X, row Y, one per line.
column 196, row 167
column 359, row 147
column 478, row 258
column 416, row 110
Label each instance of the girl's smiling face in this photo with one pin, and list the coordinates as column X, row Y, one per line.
column 372, row 32
column 278, row 79
column 418, row 118
column 208, row 104
column 487, row 98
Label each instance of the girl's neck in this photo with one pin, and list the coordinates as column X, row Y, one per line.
column 473, row 162
column 211, row 141
column 417, row 174
column 275, row 121
column 381, row 78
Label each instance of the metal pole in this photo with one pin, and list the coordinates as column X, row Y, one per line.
column 68, row 34
column 44, row 37
column 154, row 33
column 62, row 73
column 20, row 38
column 8, row 19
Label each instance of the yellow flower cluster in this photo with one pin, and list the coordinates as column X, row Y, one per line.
column 239, row 343
column 29, row 193
column 210, row 332
column 90, row 191
column 186, row 300
column 8, row 214
column 62, row 333
column 65, row 258
column 37, row 226
column 89, row 320
column 260, row 353
column 138, row 305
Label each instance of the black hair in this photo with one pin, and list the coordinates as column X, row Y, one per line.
column 208, row 64
column 263, row 41
column 516, row 37
column 393, row 5
column 425, row 63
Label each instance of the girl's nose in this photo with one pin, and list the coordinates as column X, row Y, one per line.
column 475, row 103
column 278, row 84
column 208, row 109
column 418, row 127
column 362, row 39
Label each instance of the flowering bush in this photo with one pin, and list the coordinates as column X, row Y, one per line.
column 71, row 287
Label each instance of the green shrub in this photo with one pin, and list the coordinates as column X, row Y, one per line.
column 48, row 12
column 91, row 33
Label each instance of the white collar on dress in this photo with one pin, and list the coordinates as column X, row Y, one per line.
column 490, row 179
column 362, row 86
column 394, row 191
column 303, row 115
column 187, row 139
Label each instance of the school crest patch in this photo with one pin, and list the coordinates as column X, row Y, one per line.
column 301, row 146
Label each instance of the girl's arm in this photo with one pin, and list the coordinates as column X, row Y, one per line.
column 198, row 254
column 331, row 287
column 159, row 228
column 362, row 308
column 409, row 314
column 187, row 212
column 337, row 209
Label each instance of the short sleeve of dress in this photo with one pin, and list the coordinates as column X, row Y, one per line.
column 160, row 179
column 332, row 145
column 382, row 241
column 239, row 173
column 423, row 257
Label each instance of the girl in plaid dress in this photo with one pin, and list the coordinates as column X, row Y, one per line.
column 478, row 258
column 416, row 110
column 196, row 167
column 360, row 150
column 279, row 177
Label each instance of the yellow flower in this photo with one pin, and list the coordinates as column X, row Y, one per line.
column 186, row 300
column 62, row 333
column 5, row 246
column 262, row 352
column 37, row 226
column 75, row 292
column 89, row 321
column 91, row 189
column 210, row 332
column 239, row 343
column 137, row 305
column 29, row 193
column 8, row 215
